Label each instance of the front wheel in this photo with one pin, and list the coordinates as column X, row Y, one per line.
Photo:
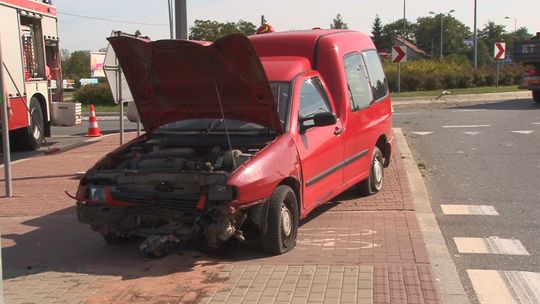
column 374, row 182
column 283, row 218
column 536, row 96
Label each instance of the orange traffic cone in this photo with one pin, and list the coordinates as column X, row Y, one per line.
column 93, row 128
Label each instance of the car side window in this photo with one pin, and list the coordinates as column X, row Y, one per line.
column 379, row 84
column 360, row 94
column 313, row 98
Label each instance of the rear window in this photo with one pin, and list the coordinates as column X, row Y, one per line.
column 357, row 82
column 379, row 84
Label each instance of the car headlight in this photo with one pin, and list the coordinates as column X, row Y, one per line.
column 98, row 194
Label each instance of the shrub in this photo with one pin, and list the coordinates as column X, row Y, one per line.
column 94, row 94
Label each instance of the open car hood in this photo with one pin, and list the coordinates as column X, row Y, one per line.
column 173, row 80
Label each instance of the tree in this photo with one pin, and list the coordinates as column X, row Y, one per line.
column 492, row 33
column 210, row 30
column 394, row 29
column 338, row 23
column 377, row 32
column 77, row 66
column 428, row 35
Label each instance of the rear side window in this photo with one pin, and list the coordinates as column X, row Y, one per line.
column 313, row 99
column 357, row 82
column 379, row 85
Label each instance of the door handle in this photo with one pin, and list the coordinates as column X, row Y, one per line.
column 338, row 131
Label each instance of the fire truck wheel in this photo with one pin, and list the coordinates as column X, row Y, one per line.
column 31, row 137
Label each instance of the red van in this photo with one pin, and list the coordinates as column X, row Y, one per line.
column 259, row 129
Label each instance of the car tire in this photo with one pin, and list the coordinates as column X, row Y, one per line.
column 113, row 238
column 375, row 180
column 31, row 137
column 536, row 96
column 283, row 219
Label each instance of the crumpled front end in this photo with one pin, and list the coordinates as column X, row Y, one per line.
column 164, row 193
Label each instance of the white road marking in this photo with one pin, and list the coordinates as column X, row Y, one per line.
column 422, row 133
column 468, row 110
column 509, row 287
column 405, row 113
column 473, row 133
column 490, row 245
column 536, row 123
column 468, row 210
column 467, row 126
column 525, row 132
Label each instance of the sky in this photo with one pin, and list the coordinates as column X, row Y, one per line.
column 78, row 33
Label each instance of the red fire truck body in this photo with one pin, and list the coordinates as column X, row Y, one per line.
column 32, row 72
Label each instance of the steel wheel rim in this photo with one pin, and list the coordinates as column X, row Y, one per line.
column 35, row 129
column 377, row 172
column 286, row 220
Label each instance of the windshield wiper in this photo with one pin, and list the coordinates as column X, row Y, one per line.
column 216, row 122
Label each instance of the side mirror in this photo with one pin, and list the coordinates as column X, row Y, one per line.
column 319, row 120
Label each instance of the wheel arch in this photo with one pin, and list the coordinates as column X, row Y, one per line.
column 385, row 147
column 294, row 184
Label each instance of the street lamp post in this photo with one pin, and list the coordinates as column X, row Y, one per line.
column 515, row 23
column 442, row 18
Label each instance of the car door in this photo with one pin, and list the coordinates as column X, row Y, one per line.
column 320, row 148
column 358, row 143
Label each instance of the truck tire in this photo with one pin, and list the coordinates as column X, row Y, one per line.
column 283, row 219
column 31, row 137
column 536, row 96
column 375, row 180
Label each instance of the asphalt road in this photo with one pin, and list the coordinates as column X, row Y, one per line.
column 482, row 155
column 65, row 137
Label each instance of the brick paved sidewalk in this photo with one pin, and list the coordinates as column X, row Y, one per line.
column 353, row 250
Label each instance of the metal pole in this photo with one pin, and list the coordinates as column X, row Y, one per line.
column 121, row 103
column 5, row 129
column 497, row 79
column 399, row 78
column 262, row 20
column 404, row 19
column 180, row 11
column 475, row 39
column 442, row 16
column 171, row 21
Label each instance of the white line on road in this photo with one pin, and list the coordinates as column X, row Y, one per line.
column 524, row 132
column 509, row 287
column 490, row 245
column 536, row 123
column 468, row 210
column 473, row 133
column 467, row 126
column 422, row 133
column 468, row 110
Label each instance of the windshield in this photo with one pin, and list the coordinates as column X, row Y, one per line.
column 281, row 93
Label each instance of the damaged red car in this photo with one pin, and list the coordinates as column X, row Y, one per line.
column 259, row 129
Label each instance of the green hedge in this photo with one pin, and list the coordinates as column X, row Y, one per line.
column 428, row 75
column 94, row 94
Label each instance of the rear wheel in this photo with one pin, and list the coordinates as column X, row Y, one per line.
column 374, row 182
column 31, row 137
column 283, row 218
column 536, row 96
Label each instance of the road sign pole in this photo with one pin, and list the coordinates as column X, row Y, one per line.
column 399, row 78
column 497, row 79
column 121, row 103
column 5, row 129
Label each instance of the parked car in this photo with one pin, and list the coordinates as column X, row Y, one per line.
column 261, row 129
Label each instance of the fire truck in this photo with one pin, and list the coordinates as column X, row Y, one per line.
column 31, row 67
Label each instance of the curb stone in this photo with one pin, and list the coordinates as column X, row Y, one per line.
column 450, row 287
